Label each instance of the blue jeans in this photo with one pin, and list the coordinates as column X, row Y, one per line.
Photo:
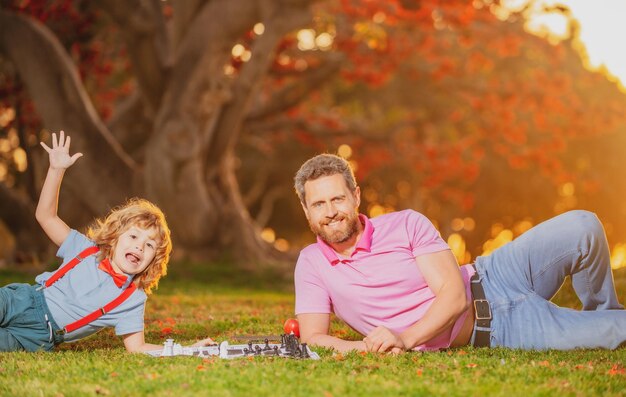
column 522, row 276
column 25, row 321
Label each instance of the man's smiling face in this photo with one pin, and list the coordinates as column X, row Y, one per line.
column 331, row 208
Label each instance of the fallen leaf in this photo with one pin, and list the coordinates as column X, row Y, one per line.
column 338, row 356
column 472, row 365
column 616, row 370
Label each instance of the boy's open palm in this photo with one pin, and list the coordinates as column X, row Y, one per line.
column 60, row 152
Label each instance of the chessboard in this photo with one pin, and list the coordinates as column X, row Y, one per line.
column 289, row 347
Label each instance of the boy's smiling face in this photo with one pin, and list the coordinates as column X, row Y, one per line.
column 134, row 251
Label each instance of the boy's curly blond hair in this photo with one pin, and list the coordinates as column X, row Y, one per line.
column 140, row 213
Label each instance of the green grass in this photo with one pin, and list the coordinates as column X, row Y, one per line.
column 195, row 301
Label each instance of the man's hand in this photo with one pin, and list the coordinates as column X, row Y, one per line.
column 381, row 340
column 60, row 152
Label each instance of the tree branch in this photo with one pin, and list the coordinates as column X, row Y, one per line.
column 259, row 186
column 132, row 125
column 185, row 11
column 294, row 93
column 280, row 19
column 143, row 28
column 267, row 205
column 299, row 124
column 61, row 101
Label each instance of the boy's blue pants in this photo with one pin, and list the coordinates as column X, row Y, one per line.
column 25, row 321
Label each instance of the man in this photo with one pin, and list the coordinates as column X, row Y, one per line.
column 394, row 280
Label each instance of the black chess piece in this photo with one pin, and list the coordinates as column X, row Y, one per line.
column 249, row 349
column 305, row 351
column 267, row 345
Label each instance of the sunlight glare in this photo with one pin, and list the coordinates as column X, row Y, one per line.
column 238, row 50
column 281, row 245
column 306, row 39
column 376, row 210
column 618, row 256
column 324, row 41
column 258, row 29
column 268, row 235
column 602, row 29
column 344, row 151
column 6, row 116
column 20, row 160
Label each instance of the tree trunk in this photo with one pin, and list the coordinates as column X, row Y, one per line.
column 187, row 110
column 190, row 159
column 18, row 214
column 61, row 101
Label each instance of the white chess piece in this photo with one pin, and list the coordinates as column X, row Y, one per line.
column 168, row 348
column 224, row 349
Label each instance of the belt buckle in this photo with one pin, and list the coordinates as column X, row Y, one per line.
column 482, row 310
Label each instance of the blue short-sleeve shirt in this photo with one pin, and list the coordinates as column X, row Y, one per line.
column 85, row 289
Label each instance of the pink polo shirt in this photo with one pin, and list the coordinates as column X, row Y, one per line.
column 380, row 284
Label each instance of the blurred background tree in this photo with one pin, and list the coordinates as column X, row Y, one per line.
column 209, row 107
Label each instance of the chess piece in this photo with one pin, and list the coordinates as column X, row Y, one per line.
column 305, row 351
column 168, row 349
column 224, row 349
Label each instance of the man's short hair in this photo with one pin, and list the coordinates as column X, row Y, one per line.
column 323, row 165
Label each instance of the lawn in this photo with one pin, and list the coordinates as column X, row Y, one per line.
column 195, row 301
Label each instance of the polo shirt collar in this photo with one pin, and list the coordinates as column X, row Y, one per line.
column 364, row 243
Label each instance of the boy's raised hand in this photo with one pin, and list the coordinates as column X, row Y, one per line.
column 60, row 152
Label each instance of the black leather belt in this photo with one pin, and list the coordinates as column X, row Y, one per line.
column 482, row 313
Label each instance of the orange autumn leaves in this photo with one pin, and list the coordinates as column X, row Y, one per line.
column 449, row 90
column 166, row 327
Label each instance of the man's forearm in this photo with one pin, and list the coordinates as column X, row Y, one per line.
column 338, row 344
column 439, row 317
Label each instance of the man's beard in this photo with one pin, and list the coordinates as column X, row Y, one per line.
column 338, row 236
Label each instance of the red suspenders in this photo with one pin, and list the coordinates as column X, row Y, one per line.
column 98, row 313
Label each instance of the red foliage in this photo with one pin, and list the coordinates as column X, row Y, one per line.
column 75, row 24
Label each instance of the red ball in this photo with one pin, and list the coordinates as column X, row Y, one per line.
column 292, row 326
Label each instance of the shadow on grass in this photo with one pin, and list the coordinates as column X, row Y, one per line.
column 226, row 276
column 218, row 276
